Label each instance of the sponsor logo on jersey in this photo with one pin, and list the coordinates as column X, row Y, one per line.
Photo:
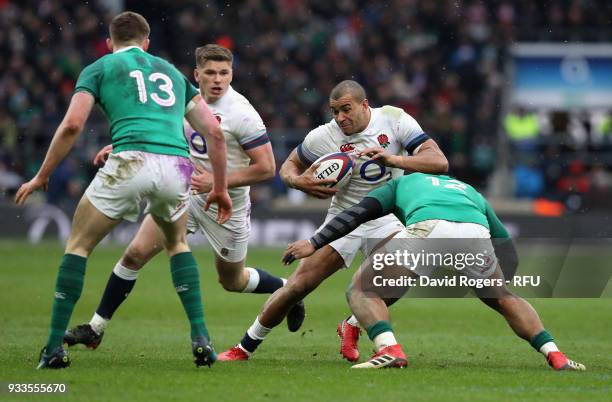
column 383, row 140
column 347, row 147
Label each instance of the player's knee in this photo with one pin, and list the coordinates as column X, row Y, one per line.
column 231, row 284
column 133, row 258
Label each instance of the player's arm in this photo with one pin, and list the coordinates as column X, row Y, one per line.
column 427, row 158
column 202, row 120
column 261, row 168
column 505, row 251
column 344, row 223
column 296, row 174
column 63, row 140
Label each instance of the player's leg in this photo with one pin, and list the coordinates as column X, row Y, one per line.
column 147, row 243
column 369, row 304
column 89, row 226
column 237, row 277
column 186, row 280
column 349, row 330
column 307, row 277
column 230, row 244
column 525, row 322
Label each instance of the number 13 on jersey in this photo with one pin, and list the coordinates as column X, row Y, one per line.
column 166, row 87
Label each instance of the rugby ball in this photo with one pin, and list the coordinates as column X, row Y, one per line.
column 337, row 165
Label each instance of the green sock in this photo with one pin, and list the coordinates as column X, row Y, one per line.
column 186, row 280
column 68, row 289
column 378, row 328
column 540, row 339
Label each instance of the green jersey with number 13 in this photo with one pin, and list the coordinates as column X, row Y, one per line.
column 144, row 98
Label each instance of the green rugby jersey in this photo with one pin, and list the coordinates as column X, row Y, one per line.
column 419, row 197
column 144, row 98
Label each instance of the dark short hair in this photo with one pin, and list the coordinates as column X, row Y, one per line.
column 129, row 27
column 348, row 87
column 212, row 52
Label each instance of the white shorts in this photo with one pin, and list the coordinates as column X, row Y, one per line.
column 130, row 177
column 230, row 240
column 365, row 238
column 444, row 237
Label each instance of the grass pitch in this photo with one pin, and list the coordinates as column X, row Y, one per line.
column 458, row 350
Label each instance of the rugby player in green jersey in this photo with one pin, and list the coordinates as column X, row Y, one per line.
column 145, row 99
column 432, row 207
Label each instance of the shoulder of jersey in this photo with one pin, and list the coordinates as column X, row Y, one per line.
column 326, row 129
column 239, row 101
column 392, row 112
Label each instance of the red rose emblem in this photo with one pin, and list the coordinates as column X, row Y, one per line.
column 347, row 147
column 383, row 139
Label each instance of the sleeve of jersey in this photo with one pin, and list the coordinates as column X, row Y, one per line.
column 410, row 133
column 89, row 80
column 252, row 132
column 502, row 243
column 497, row 229
column 307, row 151
column 368, row 209
column 190, row 93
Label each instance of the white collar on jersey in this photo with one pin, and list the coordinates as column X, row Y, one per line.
column 124, row 49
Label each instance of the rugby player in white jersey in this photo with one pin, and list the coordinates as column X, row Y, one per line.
column 381, row 139
column 249, row 160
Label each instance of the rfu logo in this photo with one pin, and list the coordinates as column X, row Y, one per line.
column 328, row 171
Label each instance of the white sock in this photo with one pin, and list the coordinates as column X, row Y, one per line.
column 548, row 347
column 284, row 281
column 383, row 340
column 125, row 272
column 258, row 331
column 353, row 321
column 253, row 280
column 98, row 323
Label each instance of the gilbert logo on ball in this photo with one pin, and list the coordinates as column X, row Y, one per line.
column 337, row 165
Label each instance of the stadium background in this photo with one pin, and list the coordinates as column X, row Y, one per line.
column 451, row 64
column 543, row 158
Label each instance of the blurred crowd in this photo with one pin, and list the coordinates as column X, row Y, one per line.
column 441, row 61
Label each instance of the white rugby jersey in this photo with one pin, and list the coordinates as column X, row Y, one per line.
column 243, row 128
column 390, row 127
